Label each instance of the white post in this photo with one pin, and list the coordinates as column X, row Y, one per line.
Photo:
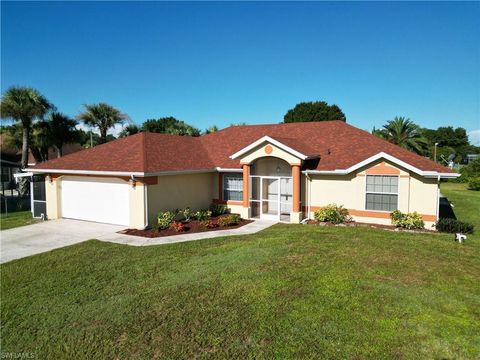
column 31, row 195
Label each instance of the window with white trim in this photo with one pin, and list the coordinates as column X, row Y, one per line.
column 382, row 193
column 233, row 187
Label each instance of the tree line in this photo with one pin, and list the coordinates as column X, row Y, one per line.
column 442, row 144
column 38, row 125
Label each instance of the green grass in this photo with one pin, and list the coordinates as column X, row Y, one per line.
column 291, row 291
column 466, row 202
column 16, row 219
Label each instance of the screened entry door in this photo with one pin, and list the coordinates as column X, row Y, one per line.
column 271, row 197
column 39, row 200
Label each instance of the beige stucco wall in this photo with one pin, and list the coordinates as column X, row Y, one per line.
column 268, row 166
column 179, row 191
column 423, row 192
column 343, row 190
column 236, row 209
column 415, row 194
column 52, row 195
column 138, row 218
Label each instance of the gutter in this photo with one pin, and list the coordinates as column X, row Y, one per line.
column 427, row 174
column 86, row 172
column 129, row 174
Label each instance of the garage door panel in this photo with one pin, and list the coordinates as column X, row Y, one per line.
column 95, row 199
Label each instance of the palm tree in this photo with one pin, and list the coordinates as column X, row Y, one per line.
column 403, row 132
column 130, row 129
column 103, row 117
column 24, row 105
column 211, row 129
column 40, row 140
column 62, row 130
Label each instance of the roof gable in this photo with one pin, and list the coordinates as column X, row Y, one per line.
column 294, row 147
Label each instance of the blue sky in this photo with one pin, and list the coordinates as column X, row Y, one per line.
column 221, row 63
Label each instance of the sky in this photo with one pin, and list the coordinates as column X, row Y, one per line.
column 217, row 63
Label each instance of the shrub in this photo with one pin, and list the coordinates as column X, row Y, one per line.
column 202, row 215
column 407, row 221
column 470, row 171
column 474, row 184
column 229, row 220
column 177, row 226
column 164, row 220
column 218, row 209
column 454, row 226
column 208, row 224
column 332, row 213
column 397, row 217
column 186, row 213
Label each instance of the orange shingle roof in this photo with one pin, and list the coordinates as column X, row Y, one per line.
column 338, row 145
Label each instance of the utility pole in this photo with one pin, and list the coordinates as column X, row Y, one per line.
column 435, row 152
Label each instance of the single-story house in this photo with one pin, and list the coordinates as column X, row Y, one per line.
column 282, row 172
column 53, row 152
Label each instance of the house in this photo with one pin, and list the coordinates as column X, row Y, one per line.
column 9, row 165
column 10, row 159
column 53, row 153
column 472, row 157
column 281, row 172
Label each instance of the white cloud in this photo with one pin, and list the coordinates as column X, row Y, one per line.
column 82, row 126
column 114, row 131
column 474, row 137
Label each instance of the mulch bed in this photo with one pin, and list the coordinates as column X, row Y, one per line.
column 193, row 226
column 377, row 226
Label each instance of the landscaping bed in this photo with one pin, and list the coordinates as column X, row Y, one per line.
column 190, row 227
column 362, row 224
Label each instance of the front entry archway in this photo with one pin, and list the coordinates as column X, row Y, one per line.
column 271, row 158
column 271, row 190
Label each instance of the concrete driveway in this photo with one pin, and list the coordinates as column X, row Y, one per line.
column 45, row 236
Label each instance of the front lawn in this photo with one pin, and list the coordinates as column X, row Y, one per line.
column 16, row 219
column 291, row 291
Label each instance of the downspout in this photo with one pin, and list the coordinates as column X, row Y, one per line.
column 145, row 196
column 409, row 190
column 309, row 189
column 438, row 196
column 309, row 196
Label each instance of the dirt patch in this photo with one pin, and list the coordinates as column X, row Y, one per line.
column 191, row 227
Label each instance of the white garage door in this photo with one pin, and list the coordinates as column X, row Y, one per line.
column 95, row 199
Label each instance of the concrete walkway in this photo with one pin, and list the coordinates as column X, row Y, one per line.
column 252, row 228
column 45, row 236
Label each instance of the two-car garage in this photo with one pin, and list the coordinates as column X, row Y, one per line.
column 96, row 199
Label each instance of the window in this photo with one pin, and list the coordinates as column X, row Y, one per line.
column 233, row 187
column 382, row 192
